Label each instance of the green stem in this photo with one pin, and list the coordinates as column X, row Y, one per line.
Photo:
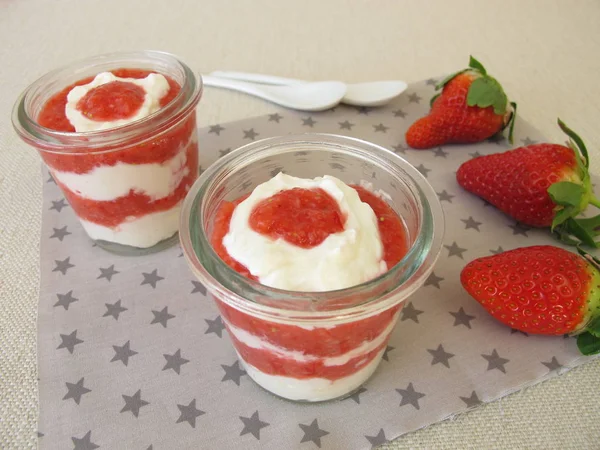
column 594, row 201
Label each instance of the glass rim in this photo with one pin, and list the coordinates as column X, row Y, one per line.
column 112, row 139
column 428, row 239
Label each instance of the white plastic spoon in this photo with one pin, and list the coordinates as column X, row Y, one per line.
column 316, row 96
column 374, row 93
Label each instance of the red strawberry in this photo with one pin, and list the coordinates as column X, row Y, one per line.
column 540, row 290
column 540, row 185
column 471, row 107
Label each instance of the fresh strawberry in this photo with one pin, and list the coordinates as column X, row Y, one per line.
column 540, row 290
column 540, row 185
column 471, row 108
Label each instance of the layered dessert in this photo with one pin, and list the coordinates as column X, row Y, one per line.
column 309, row 235
column 128, row 193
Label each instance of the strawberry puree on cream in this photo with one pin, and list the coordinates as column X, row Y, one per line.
column 293, row 222
column 129, row 196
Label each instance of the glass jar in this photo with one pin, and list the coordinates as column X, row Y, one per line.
column 312, row 346
column 126, row 184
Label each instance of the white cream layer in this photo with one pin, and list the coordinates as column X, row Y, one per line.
column 105, row 183
column 313, row 389
column 155, row 87
column 144, row 232
column 255, row 342
column 348, row 258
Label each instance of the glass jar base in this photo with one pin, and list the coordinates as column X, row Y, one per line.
column 314, row 402
column 251, row 372
column 128, row 250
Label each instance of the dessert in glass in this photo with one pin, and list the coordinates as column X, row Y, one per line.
column 118, row 135
column 310, row 244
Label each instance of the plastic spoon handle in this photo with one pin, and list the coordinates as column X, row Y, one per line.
column 317, row 96
column 236, row 85
column 257, row 78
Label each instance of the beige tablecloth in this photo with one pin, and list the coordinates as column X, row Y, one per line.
column 544, row 52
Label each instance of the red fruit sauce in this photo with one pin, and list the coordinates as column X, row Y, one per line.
column 112, row 101
column 305, row 218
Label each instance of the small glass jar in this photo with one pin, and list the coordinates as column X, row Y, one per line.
column 125, row 184
column 312, row 346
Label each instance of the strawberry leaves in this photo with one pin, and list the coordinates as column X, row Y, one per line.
column 486, row 91
column 588, row 344
column 474, row 64
column 569, row 195
column 575, row 138
column 573, row 198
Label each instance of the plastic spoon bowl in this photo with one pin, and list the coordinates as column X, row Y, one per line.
column 373, row 93
column 317, row 96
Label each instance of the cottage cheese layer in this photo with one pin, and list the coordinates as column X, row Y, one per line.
column 143, row 232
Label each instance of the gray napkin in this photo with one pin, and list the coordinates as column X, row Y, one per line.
column 133, row 353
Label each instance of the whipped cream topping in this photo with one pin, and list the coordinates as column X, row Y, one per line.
column 348, row 258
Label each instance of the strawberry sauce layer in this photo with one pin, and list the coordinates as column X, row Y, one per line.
column 324, row 342
column 321, row 342
column 270, row 363
column 135, row 204
column 158, row 150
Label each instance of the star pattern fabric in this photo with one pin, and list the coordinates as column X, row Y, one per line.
column 84, row 443
column 356, row 394
column 69, row 341
column 215, row 326
column 114, row 310
column 63, row 266
column 58, row 205
column 495, row 361
column 134, row 403
column 60, row 233
column 151, row 278
column 65, row 300
column 175, row 361
column 313, row 433
column 409, row 312
column 462, row 318
column 410, row 396
column 76, row 390
column 433, row 280
column 309, row 122
column 216, row 129
column 378, row 439
column 345, row 125
column 440, row 356
column 108, row 272
column 233, row 372
column 123, row 353
column 162, row 317
column 253, row 425
column 189, row 413
column 134, row 352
